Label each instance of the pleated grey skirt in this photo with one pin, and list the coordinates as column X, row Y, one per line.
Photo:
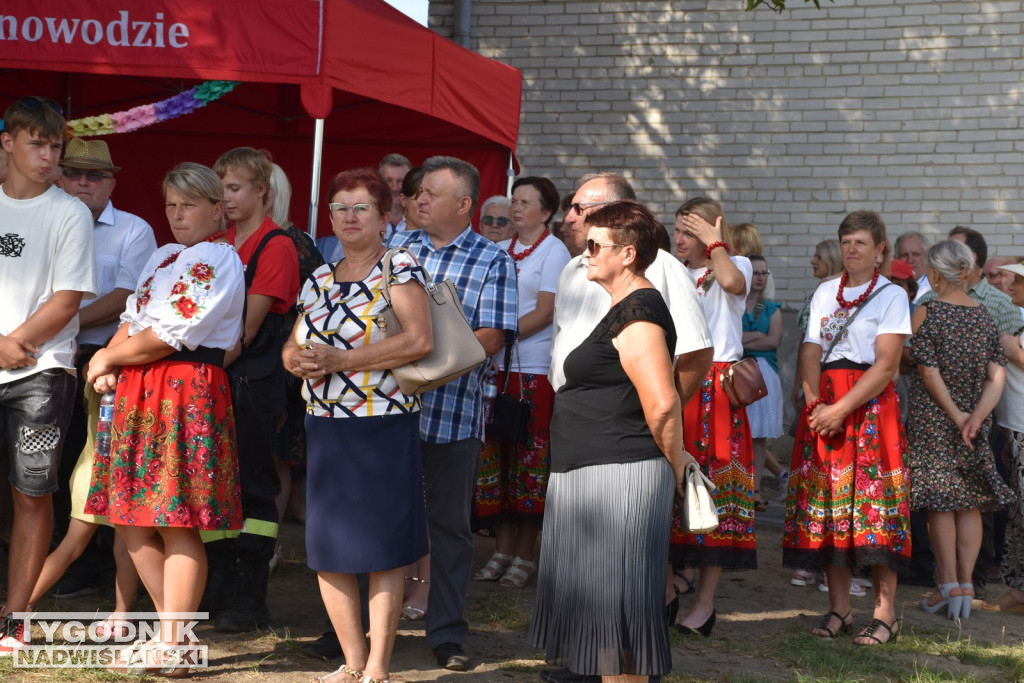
column 603, row 563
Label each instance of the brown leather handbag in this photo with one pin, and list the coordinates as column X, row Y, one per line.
column 743, row 383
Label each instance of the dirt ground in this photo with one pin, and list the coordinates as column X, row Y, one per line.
column 753, row 608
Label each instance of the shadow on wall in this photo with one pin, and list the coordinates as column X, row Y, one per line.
column 791, row 120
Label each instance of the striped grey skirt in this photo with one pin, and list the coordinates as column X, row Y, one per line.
column 603, row 568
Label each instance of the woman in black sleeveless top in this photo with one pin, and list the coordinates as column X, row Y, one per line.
column 616, row 461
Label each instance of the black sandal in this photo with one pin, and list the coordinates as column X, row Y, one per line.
column 689, row 583
column 844, row 625
column 872, row 628
column 760, row 504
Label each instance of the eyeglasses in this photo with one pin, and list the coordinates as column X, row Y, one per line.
column 760, row 273
column 500, row 221
column 92, row 176
column 343, row 209
column 33, row 103
column 592, row 246
column 580, row 207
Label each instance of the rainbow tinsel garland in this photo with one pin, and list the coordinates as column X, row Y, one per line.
column 148, row 114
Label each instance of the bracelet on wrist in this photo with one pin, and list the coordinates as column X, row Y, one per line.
column 715, row 245
column 815, row 403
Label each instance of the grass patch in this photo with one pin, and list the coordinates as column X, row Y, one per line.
column 499, row 611
column 917, row 657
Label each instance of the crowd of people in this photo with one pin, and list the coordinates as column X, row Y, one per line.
column 244, row 354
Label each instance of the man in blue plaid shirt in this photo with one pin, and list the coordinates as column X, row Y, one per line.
column 451, row 421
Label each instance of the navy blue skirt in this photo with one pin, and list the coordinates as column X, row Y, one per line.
column 364, row 498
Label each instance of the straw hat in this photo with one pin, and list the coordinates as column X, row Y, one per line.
column 88, row 154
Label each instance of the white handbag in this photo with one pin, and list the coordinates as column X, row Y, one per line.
column 700, row 514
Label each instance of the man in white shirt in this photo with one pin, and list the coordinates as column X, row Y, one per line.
column 912, row 248
column 580, row 304
column 123, row 243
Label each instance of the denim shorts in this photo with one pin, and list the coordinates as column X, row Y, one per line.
column 34, row 415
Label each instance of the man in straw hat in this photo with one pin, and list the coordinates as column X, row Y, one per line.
column 123, row 243
column 46, row 269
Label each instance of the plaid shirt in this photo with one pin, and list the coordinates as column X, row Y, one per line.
column 485, row 277
column 1007, row 316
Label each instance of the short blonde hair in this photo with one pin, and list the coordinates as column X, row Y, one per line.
column 256, row 164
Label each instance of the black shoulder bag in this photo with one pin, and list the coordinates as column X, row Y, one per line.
column 511, row 415
column 261, row 358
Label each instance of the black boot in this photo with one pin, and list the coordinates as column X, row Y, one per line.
column 222, row 563
column 248, row 610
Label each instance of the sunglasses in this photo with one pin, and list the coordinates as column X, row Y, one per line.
column 580, row 207
column 93, row 176
column 593, row 246
column 500, row 221
column 34, row 103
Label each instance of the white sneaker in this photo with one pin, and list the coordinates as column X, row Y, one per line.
column 856, row 590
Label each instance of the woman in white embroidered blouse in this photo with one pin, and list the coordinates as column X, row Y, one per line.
column 364, row 502
column 172, row 469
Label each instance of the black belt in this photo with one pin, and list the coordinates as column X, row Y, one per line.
column 844, row 364
column 201, row 354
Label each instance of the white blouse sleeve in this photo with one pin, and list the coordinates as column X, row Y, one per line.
column 198, row 299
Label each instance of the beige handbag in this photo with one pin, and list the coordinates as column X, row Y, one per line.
column 456, row 348
column 700, row 514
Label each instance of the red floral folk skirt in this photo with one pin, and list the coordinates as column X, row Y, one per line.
column 848, row 495
column 718, row 436
column 513, row 478
column 172, row 459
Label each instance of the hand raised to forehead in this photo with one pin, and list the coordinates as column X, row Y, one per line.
column 701, row 229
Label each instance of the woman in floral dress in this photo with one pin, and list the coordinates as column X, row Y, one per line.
column 172, row 469
column 960, row 377
column 717, row 434
column 847, row 506
column 513, row 478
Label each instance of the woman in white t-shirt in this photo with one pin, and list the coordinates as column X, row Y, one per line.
column 716, row 433
column 513, row 477
column 848, row 501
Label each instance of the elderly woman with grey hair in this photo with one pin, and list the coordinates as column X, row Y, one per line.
column 495, row 223
column 960, row 377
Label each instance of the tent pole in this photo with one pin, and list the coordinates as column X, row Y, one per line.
column 314, row 190
column 511, row 173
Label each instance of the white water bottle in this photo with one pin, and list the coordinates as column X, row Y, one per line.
column 104, row 423
column 490, row 393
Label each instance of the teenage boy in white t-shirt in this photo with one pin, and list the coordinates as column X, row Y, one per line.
column 46, row 267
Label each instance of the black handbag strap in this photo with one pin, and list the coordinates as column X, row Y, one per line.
column 250, row 274
column 849, row 321
column 508, row 366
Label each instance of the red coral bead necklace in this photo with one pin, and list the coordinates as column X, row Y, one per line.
column 523, row 254
column 860, row 299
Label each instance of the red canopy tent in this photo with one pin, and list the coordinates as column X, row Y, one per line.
column 381, row 82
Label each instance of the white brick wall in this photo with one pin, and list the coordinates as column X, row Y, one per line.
column 908, row 107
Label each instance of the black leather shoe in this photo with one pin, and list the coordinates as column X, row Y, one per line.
column 450, row 656
column 566, row 676
column 324, row 647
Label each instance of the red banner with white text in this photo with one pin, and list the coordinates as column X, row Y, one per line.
column 255, row 40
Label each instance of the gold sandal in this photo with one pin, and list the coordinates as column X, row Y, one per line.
column 358, row 675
